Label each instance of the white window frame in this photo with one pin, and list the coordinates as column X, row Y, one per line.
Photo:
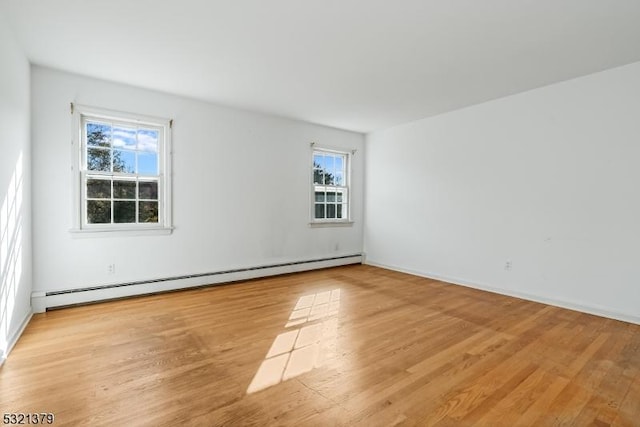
column 81, row 113
column 330, row 222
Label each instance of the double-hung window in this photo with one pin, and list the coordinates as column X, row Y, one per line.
column 330, row 186
column 121, row 173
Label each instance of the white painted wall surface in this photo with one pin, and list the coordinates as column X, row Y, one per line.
column 240, row 189
column 548, row 180
column 15, row 184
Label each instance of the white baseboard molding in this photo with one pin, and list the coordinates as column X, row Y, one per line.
column 41, row 301
column 595, row 310
column 13, row 339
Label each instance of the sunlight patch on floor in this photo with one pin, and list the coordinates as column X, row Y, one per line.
column 308, row 346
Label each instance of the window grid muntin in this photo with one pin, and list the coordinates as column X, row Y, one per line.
column 86, row 120
column 112, row 199
column 122, row 176
column 335, row 164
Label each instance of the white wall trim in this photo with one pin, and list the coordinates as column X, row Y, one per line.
column 589, row 309
column 13, row 339
column 41, row 301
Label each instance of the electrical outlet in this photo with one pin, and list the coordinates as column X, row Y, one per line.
column 507, row 265
column 111, row 269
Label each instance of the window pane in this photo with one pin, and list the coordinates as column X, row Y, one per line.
column 339, row 196
column 148, row 212
column 331, row 196
column 98, row 211
column 340, row 164
column 148, row 140
column 124, row 212
column 124, row 161
column 342, row 211
column 339, row 178
column 98, row 134
column 124, row 137
column 124, row 189
column 99, row 188
column 318, row 176
column 147, row 190
column 331, row 211
column 98, row 159
column 148, row 163
column 317, row 161
column 319, row 213
column 329, row 162
column 319, row 193
column 329, row 178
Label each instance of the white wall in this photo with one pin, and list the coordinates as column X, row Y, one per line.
column 548, row 179
column 240, row 189
column 15, row 208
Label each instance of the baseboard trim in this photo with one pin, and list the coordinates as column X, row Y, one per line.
column 13, row 339
column 597, row 311
column 42, row 301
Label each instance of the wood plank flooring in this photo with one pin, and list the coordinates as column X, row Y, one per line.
column 354, row 345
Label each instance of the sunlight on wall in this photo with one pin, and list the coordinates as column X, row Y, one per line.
column 302, row 349
column 10, row 252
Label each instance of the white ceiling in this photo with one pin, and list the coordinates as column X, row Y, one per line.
column 353, row 64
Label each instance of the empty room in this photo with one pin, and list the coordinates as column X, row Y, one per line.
column 336, row 213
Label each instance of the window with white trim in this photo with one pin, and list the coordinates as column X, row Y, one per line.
column 330, row 186
column 121, row 172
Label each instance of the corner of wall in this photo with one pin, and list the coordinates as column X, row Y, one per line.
column 15, row 191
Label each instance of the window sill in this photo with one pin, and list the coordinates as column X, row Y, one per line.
column 323, row 224
column 120, row 232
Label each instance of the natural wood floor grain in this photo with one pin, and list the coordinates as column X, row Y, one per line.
column 354, row 345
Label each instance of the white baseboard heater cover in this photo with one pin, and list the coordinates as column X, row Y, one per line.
column 43, row 301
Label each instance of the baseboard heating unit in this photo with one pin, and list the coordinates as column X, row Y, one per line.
column 43, row 301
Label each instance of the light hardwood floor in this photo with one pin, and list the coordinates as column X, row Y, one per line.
column 354, row 345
